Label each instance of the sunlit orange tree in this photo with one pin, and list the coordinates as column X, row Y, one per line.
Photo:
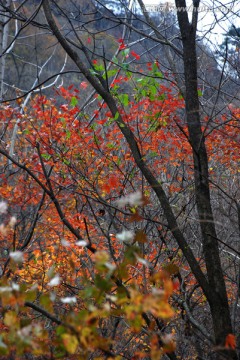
column 118, row 212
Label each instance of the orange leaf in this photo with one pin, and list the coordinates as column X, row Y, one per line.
column 230, row 341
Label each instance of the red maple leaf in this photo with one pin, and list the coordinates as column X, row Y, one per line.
column 135, row 55
column 230, row 341
column 122, row 46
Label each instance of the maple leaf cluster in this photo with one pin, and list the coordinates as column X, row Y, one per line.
column 77, row 221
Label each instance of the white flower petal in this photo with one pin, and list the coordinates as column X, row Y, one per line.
column 3, row 207
column 17, row 256
column 15, row 287
column 134, row 199
column 143, row 261
column 126, row 236
column 24, row 332
column 81, row 243
column 12, row 221
column 55, row 281
column 110, row 266
column 69, row 300
column 52, row 296
column 112, row 298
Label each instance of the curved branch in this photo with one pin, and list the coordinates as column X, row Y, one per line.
column 43, row 312
column 129, row 136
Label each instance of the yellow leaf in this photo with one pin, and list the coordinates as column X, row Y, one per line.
column 11, row 320
column 70, row 343
column 159, row 308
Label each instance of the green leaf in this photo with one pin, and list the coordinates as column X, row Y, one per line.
column 200, row 92
column 99, row 67
column 46, row 302
column 130, row 254
column 112, row 72
column 158, row 74
column 124, row 99
column 46, row 156
column 93, row 72
column 125, row 52
column 116, row 115
column 115, row 60
column 155, row 68
column 125, row 66
column 161, row 97
column 66, row 161
column 93, row 126
column 152, row 154
column 151, row 97
column 74, row 101
column 3, row 347
column 60, row 330
column 153, row 89
column 96, row 140
column 68, row 134
column 25, row 322
column 102, row 284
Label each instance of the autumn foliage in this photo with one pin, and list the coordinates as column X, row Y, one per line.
column 89, row 266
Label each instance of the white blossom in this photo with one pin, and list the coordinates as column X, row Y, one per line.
column 107, row 307
column 17, row 256
column 126, row 236
column 12, row 221
column 69, row 300
column 15, row 286
column 52, row 296
column 24, row 332
column 3, row 207
column 81, row 243
column 110, row 266
column 134, row 199
column 55, row 281
column 112, row 298
column 143, row 261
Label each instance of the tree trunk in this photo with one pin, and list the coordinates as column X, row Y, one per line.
column 218, row 300
column 3, row 43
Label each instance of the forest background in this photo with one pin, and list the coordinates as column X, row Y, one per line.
column 119, row 170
